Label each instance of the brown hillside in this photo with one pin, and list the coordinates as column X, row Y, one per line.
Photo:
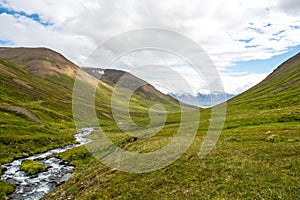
column 39, row 61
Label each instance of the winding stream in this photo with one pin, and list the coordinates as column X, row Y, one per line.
column 57, row 171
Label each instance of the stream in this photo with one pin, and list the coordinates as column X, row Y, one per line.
column 57, row 171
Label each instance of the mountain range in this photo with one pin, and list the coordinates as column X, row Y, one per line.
column 112, row 76
column 203, row 100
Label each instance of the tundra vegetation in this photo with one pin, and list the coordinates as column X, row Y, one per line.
column 256, row 157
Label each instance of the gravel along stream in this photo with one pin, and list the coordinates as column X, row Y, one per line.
column 57, row 171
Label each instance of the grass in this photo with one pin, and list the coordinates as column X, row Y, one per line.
column 243, row 165
column 19, row 134
column 31, row 167
column 256, row 157
column 50, row 99
column 6, row 189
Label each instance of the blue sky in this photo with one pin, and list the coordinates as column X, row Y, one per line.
column 6, row 43
column 266, row 65
column 34, row 17
column 245, row 39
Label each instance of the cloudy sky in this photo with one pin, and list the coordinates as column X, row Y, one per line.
column 246, row 39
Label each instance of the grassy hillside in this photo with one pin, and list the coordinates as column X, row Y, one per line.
column 36, row 86
column 272, row 104
column 256, row 157
column 36, row 101
column 48, row 99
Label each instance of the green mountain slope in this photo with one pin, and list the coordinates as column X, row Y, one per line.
column 47, row 98
column 274, row 100
column 282, row 85
column 256, row 157
column 36, row 87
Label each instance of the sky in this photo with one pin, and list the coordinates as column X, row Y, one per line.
column 246, row 39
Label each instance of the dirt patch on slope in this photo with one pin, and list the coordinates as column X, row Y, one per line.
column 21, row 111
column 22, row 83
column 6, row 72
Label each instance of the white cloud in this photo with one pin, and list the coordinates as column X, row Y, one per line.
column 26, row 32
column 181, row 76
column 222, row 28
column 236, row 84
column 289, row 6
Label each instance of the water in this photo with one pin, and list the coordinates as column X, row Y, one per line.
column 57, row 171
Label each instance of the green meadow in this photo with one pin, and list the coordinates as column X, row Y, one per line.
column 256, row 156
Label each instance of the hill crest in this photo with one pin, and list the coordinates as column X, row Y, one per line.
column 39, row 61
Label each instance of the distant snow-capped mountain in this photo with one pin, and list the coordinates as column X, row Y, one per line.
column 202, row 100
